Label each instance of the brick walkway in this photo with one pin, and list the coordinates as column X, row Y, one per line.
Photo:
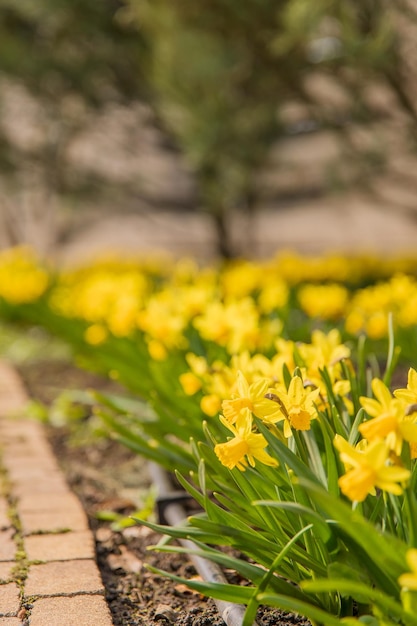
column 48, row 573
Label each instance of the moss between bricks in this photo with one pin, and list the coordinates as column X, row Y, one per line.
column 19, row 572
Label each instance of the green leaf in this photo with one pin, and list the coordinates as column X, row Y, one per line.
column 251, row 572
column 383, row 555
column 194, row 493
column 285, row 455
column 321, row 528
column 294, row 605
column 219, row 591
column 263, row 584
column 359, row 591
column 368, row 620
column 257, row 546
column 348, row 570
column 332, row 462
column 168, row 455
column 354, row 431
column 393, row 352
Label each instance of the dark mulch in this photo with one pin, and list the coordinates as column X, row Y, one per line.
column 107, row 476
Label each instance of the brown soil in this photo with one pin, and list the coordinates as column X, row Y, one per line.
column 107, row 476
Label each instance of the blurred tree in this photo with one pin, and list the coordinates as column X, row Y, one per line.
column 222, row 74
column 217, row 93
column 69, row 46
column 69, row 58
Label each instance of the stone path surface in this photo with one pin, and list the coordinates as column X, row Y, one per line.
column 48, row 572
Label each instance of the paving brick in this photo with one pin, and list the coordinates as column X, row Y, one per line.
column 60, row 547
column 54, row 485
column 23, row 436
column 74, row 611
column 33, row 472
column 63, row 577
column 7, row 545
column 34, row 452
column 9, row 377
column 46, row 501
column 45, row 484
column 68, row 589
column 22, row 428
column 12, row 403
column 12, row 392
column 20, row 446
column 70, row 518
column 23, row 451
column 19, row 451
column 6, row 568
column 9, row 599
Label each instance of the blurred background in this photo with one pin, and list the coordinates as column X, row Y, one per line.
column 213, row 128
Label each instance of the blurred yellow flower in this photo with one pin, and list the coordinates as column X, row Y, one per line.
column 211, row 404
column 369, row 308
column 22, row 279
column 284, row 357
column 409, row 579
column 326, row 351
column 325, row 301
column 95, row 334
column 273, row 295
column 157, row 350
column 190, row 383
column 162, row 320
column 233, row 325
column 239, row 279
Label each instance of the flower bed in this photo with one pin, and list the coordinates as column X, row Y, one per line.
column 267, row 389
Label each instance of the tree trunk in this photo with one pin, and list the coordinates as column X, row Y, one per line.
column 224, row 245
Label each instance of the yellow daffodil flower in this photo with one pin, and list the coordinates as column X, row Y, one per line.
column 390, row 421
column 409, row 395
column 251, row 397
column 245, row 446
column 368, row 467
column 326, row 351
column 297, row 406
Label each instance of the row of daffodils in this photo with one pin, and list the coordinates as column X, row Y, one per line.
column 268, row 388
